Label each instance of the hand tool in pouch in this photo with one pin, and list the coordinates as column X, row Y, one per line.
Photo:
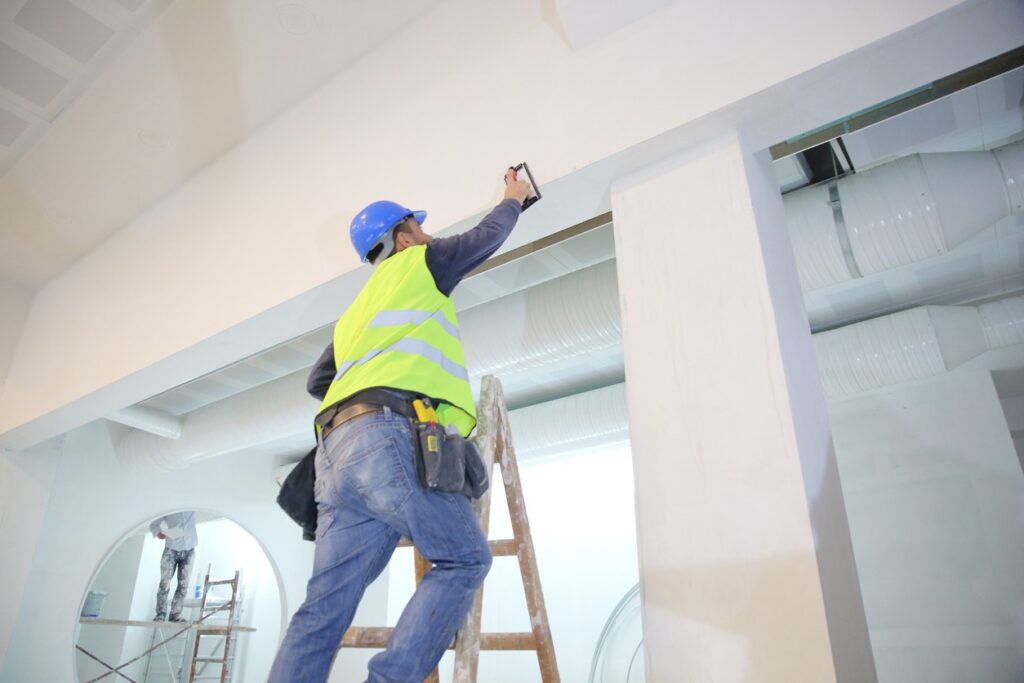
column 441, row 465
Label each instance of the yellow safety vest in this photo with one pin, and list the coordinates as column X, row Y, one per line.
column 402, row 333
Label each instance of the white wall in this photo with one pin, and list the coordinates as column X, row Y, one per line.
column 94, row 501
column 225, row 547
column 935, row 496
column 580, row 507
column 287, row 193
column 26, row 479
column 144, row 604
column 14, row 307
column 117, row 579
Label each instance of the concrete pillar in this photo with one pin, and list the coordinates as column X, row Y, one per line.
column 747, row 571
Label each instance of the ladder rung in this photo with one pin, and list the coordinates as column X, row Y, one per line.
column 219, row 660
column 377, row 637
column 504, row 547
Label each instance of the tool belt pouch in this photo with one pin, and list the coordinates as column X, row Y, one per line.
column 448, row 463
column 477, row 481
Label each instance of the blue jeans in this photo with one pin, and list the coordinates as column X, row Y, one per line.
column 368, row 497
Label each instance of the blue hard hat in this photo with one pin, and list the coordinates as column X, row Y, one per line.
column 375, row 221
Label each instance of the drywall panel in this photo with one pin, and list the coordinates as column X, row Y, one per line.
column 264, row 225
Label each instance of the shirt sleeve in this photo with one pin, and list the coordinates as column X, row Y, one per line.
column 322, row 374
column 452, row 258
column 154, row 526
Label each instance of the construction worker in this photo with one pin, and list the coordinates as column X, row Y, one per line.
column 397, row 342
column 178, row 532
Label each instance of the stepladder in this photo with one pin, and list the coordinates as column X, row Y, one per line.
column 494, row 441
column 207, row 609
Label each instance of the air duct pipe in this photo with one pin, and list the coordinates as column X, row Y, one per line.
column 568, row 317
column 913, row 344
column 148, row 420
column 592, row 418
column 905, row 211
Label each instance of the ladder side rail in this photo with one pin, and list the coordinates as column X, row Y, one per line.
column 224, row 673
column 149, row 659
column 202, row 616
column 524, row 541
column 467, row 640
column 495, row 437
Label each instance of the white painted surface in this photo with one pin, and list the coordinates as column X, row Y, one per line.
column 14, row 307
column 727, row 425
column 178, row 297
column 285, row 192
column 144, row 598
column 936, row 504
column 587, row 21
column 93, row 503
column 117, row 578
column 580, row 506
column 25, row 483
column 156, row 104
column 225, row 547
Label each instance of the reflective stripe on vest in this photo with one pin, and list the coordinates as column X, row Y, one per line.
column 390, row 318
column 416, row 347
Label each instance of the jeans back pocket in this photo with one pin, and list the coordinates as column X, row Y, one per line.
column 377, row 473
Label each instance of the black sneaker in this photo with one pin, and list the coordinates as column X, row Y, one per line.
column 159, row 617
column 177, row 620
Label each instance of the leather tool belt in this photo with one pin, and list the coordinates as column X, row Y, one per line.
column 367, row 401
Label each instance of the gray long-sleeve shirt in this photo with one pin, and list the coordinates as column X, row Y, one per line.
column 170, row 525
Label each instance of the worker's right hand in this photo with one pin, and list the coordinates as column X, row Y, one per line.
column 161, row 535
column 516, row 189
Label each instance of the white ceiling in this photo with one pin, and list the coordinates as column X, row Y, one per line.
column 108, row 105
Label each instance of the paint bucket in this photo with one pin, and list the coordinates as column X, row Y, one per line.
column 93, row 603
